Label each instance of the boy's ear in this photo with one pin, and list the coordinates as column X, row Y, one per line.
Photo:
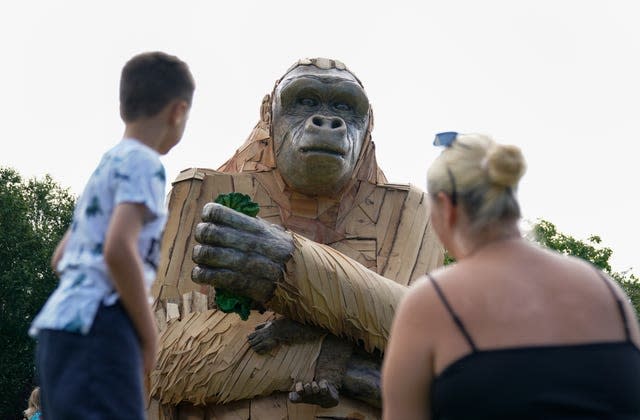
column 178, row 112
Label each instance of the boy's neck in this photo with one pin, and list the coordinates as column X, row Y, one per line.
column 148, row 132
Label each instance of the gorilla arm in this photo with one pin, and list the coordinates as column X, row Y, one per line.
column 305, row 281
column 323, row 287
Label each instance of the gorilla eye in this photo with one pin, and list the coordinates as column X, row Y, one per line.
column 308, row 102
column 342, row 106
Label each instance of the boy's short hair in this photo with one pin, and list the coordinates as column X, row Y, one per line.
column 151, row 80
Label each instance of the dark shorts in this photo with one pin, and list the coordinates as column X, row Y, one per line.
column 93, row 376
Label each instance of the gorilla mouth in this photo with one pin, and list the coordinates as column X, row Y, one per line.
column 323, row 150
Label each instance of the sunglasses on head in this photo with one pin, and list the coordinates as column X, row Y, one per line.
column 445, row 138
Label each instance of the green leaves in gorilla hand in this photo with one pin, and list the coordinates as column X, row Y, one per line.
column 239, row 202
column 226, row 301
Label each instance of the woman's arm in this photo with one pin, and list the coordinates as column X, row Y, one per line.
column 407, row 369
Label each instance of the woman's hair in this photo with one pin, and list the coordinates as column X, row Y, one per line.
column 480, row 175
column 34, row 403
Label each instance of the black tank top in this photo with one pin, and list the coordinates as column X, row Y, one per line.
column 586, row 381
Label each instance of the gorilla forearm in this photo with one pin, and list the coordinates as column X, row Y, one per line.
column 323, row 287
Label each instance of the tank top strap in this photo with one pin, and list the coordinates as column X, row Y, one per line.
column 453, row 314
column 619, row 302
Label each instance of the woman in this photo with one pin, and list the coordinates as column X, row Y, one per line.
column 511, row 331
column 33, row 410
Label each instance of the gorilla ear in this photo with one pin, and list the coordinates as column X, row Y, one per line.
column 265, row 109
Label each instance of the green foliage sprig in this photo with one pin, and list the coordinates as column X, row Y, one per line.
column 239, row 202
column 225, row 300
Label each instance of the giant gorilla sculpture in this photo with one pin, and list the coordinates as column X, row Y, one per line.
column 330, row 254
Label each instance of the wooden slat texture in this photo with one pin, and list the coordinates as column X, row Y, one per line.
column 212, row 185
column 186, row 303
column 205, row 358
column 191, row 412
column 161, row 318
column 408, row 237
column 199, row 302
column 271, row 184
column 430, row 254
column 244, row 183
column 359, row 225
column 153, row 410
column 362, row 250
column 304, row 207
column 181, row 195
column 351, row 410
column 371, row 204
column 387, row 226
column 238, row 410
column 273, row 407
column 301, row 411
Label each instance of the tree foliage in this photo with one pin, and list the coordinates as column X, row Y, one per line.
column 34, row 214
column 545, row 233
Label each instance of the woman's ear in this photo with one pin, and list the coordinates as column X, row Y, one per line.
column 448, row 209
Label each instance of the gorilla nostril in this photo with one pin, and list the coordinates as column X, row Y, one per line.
column 317, row 121
column 336, row 123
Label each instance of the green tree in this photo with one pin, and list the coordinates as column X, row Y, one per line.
column 546, row 233
column 34, row 214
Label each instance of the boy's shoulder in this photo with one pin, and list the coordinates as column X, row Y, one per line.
column 130, row 146
column 132, row 153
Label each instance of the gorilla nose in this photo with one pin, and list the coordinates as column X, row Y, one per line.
column 331, row 123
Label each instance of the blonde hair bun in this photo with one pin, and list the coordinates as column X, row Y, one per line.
column 505, row 165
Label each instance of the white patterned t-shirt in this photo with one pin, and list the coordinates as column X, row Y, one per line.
column 130, row 172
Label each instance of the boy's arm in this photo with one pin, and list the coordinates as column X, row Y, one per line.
column 125, row 267
column 57, row 254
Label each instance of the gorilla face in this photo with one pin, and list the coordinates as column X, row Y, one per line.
column 320, row 118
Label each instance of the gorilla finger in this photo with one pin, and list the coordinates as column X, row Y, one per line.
column 307, row 388
column 261, row 349
column 219, row 214
column 262, row 325
column 247, row 263
column 294, row 397
column 276, row 247
column 255, row 288
column 254, row 341
column 220, row 235
column 223, row 278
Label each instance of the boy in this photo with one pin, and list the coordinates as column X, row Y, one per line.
column 97, row 338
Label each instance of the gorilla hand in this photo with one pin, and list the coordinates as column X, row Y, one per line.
column 239, row 253
column 270, row 334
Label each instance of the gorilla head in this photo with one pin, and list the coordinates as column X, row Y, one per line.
column 314, row 132
column 320, row 117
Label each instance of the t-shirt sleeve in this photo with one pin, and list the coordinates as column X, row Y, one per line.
column 140, row 178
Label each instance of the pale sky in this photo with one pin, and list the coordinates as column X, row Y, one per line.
column 558, row 78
